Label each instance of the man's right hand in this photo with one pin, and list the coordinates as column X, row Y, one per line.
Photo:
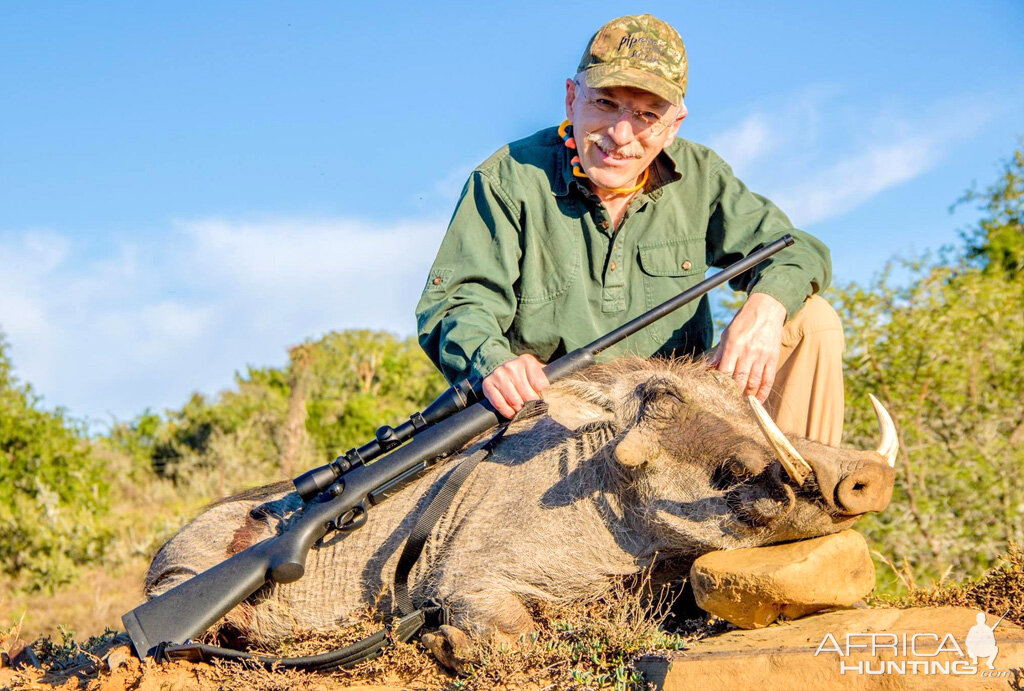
column 515, row 383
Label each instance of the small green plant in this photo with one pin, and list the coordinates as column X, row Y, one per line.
column 67, row 653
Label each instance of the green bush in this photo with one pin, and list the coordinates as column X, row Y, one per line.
column 943, row 348
column 361, row 380
column 945, row 354
column 53, row 489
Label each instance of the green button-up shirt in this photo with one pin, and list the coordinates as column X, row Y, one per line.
column 531, row 262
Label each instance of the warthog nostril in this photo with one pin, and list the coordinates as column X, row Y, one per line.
column 868, row 488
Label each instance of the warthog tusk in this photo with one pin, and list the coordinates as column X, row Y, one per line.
column 889, row 447
column 792, row 462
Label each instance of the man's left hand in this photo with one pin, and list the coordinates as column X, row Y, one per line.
column 749, row 349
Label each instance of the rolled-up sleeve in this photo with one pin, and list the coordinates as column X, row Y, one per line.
column 741, row 222
column 468, row 302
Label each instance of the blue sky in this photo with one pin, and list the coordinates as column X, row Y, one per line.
column 187, row 188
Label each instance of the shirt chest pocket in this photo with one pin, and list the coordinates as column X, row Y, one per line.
column 674, row 258
column 668, row 268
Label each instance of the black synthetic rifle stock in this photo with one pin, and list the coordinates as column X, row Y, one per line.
column 339, row 494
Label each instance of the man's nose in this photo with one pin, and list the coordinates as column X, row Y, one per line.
column 622, row 131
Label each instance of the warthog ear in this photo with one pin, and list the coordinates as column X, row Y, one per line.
column 574, row 404
column 638, row 446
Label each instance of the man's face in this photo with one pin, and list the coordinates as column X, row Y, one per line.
column 615, row 146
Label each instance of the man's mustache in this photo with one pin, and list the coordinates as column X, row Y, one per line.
column 631, row 150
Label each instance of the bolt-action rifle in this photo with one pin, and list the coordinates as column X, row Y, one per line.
column 338, row 495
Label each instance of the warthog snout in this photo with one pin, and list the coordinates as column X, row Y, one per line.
column 868, row 488
column 851, row 492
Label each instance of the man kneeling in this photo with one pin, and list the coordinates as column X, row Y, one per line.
column 562, row 236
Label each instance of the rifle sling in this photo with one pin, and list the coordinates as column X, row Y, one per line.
column 370, row 647
column 429, row 518
column 401, row 628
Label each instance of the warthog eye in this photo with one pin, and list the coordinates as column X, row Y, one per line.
column 728, row 474
column 659, row 401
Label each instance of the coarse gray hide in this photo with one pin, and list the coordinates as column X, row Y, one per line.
column 634, row 462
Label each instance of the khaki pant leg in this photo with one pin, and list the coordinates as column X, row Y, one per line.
column 807, row 397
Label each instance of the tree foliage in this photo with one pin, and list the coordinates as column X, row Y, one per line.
column 355, row 381
column 53, row 489
column 997, row 243
column 364, row 379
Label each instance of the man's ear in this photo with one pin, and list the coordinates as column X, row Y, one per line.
column 570, row 98
column 674, row 127
column 638, row 446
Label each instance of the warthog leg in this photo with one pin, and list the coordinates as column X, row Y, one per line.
column 486, row 609
column 479, row 609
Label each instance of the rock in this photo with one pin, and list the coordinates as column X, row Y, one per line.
column 22, row 655
column 752, row 587
column 800, row 654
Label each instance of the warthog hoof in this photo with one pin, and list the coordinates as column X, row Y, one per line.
column 449, row 646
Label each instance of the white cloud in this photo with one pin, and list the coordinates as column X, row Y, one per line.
column 450, row 186
column 744, row 143
column 145, row 323
column 851, row 181
column 300, row 277
column 818, row 158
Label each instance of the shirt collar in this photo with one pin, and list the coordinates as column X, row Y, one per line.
column 663, row 172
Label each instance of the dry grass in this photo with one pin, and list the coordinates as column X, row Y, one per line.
column 589, row 646
column 999, row 590
column 90, row 605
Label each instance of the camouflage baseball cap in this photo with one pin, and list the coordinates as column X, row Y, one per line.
column 639, row 51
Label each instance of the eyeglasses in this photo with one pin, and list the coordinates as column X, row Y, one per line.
column 645, row 123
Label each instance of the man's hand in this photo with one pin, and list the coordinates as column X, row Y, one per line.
column 515, row 383
column 749, row 349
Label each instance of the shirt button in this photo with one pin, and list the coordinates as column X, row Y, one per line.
column 611, row 267
column 686, row 265
column 604, row 225
column 437, row 280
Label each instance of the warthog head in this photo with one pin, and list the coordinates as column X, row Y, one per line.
column 707, row 468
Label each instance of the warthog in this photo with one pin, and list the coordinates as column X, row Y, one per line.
column 634, row 462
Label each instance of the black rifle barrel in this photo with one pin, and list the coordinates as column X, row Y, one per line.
column 191, row 607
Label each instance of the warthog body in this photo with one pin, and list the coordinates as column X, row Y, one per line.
column 634, row 462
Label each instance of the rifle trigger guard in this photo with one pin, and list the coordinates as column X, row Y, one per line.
column 352, row 519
